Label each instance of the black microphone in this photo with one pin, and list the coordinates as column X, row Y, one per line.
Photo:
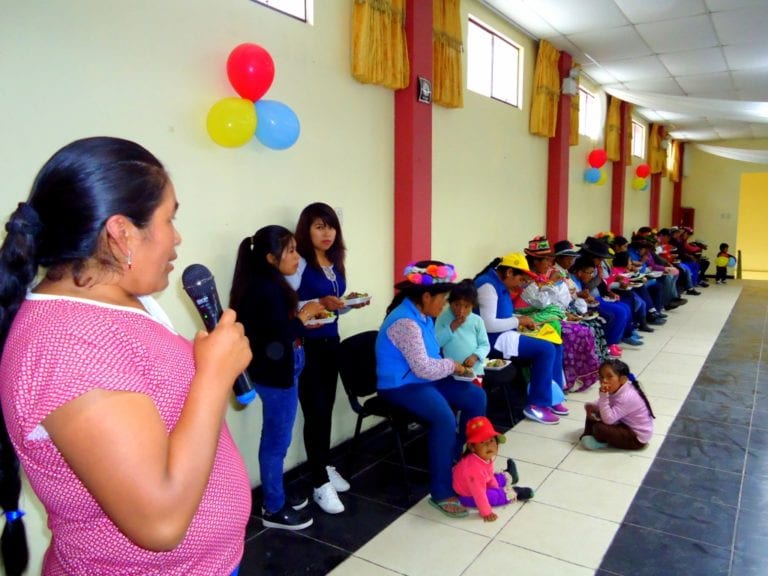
column 201, row 288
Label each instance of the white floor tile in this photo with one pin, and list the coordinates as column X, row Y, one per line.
column 354, row 566
column 500, row 559
column 563, row 534
column 414, row 545
column 536, row 449
column 615, row 465
column 587, row 495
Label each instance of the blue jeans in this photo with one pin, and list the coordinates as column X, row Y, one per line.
column 279, row 406
column 618, row 319
column 546, row 365
column 434, row 403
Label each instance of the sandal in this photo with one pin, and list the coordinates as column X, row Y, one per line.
column 451, row 507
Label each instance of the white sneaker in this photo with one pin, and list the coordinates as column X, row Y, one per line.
column 338, row 483
column 327, row 499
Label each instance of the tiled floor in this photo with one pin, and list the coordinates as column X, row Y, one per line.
column 691, row 503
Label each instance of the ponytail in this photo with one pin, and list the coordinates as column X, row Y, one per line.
column 18, row 269
column 637, row 386
column 492, row 264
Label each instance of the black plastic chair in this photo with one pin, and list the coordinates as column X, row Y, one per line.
column 357, row 368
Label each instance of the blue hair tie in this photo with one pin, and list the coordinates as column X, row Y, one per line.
column 632, row 377
column 13, row 515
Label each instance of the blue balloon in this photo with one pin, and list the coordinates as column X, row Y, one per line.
column 277, row 126
column 592, row 175
column 647, row 184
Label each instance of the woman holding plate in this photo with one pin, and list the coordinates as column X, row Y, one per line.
column 322, row 277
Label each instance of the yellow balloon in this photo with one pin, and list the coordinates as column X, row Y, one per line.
column 603, row 177
column 231, row 122
column 638, row 183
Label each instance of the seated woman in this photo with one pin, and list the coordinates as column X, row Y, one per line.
column 412, row 374
column 547, row 300
column 498, row 313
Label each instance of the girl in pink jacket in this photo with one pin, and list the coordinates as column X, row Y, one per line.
column 622, row 417
column 473, row 477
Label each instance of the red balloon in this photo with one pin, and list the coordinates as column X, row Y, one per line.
column 251, row 70
column 643, row 170
column 597, row 158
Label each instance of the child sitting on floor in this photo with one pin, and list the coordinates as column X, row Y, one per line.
column 622, row 417
column 473, row 477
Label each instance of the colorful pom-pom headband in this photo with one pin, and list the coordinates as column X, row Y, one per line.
column 432, row 274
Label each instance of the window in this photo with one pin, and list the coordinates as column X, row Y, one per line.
column 638, row 139
column 493, row 64
column 589, row 114
column 301, row 9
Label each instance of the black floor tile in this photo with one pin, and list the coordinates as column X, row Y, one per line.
column 705, row 484
column 715, row 412
column 716, row 455
column 285, row 553
column 384, row 482
column 754, row 492
column 731, row 434
column 683, row 516
column 748, row 565
column 637, row 551
column 752, row 533
column 757, row 455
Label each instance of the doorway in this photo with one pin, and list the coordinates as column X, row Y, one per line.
column 752, row 232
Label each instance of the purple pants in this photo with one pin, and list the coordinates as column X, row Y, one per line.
column 496, row 496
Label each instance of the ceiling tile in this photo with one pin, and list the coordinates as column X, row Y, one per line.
column 522, row 17
column 741, row 26
column 657, row 85
column 679, row 34
column 636, row 68
column 611, row 44
column 574, row 17
column 655, row 10
column 753, row 81
column 721, row 5
column 598, row 74
column 745, row 56
column 706, row 84
column 703, row 61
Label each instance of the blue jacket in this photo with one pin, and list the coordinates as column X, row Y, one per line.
column 505, row 308
column 392, row 368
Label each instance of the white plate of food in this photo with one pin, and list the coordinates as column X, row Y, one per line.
column 470, row 378
column 495, row 364
column 355, row 298
column 655, row 274
column 636, row 284
column 322, row 320
column 590, row 316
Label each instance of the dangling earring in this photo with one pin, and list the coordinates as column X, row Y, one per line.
column 129, row 260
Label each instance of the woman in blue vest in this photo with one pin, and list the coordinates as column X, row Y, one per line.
column 413, row 375
column 498, row 313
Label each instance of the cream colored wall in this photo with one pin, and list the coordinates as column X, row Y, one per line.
column 489, row 173
column 751, row 239
column 712, row 188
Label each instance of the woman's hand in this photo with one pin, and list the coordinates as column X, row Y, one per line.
column 310, row 310
column 459, row 369
column 223, row 353
column 332, row 303
column 526, row 323
column 470, row 360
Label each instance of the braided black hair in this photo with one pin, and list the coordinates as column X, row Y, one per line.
column 622, row 369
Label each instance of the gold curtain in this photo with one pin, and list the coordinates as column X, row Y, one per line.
column 613, row 129
column 447, row 46
column 655, row 152
column 379, row 48
column 546, row 91
column 673, row 161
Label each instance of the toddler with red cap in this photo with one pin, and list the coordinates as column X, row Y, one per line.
column 474, row 480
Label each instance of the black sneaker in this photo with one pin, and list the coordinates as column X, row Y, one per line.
column 693, row 292
column 512, row 471
column 680, row 301
column 286, row 519
column 523, row 494
column 296, row 502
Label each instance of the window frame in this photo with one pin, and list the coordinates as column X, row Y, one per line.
column 589, row 114
column 497, row 36
column 309, row 12
column 638, row 144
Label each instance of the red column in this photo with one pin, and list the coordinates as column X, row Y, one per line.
column 413, row 146
column 655, row 198
column 619, row 172
column 558, row 163
column 677, row 193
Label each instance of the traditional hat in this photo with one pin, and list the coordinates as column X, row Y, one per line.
column 594, row 247
column 641, row 242
column 480, row 429
column 517, row 260
column 431, row 275
column 539, row 247
column 565, row 248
